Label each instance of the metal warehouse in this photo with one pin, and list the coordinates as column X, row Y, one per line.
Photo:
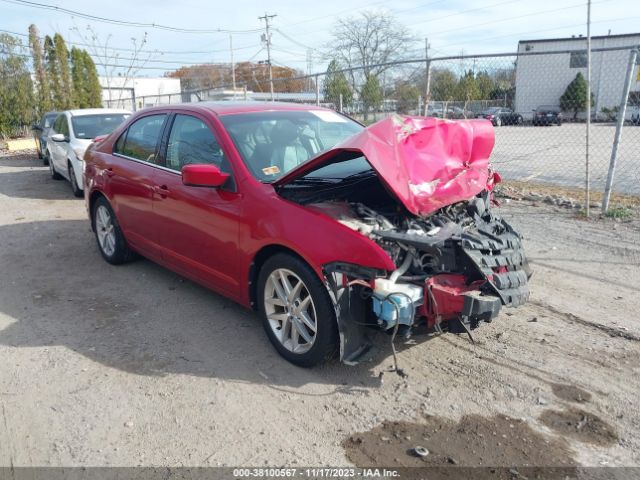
column 541, row 78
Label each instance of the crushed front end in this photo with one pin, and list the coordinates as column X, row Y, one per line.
column 421, row 189
column 455, row 269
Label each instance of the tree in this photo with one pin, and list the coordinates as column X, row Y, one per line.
column 62, row 57
column 369, row 41
column 335, row 85
column 80, row 99
column 53, row 72
column 443, row 85
column 39, row 71
column 17, row 102
column 92, row 82
column 371, row 94
column 467, row 87
column 575, row 96
column 407, row 95
column 486, row 85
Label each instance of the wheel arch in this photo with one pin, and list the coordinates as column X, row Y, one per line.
column 259, row 260
column 93, row 198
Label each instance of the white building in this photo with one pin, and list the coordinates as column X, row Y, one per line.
column 541, row 78
column 137, row 93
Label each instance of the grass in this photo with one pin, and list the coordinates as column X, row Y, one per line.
column 619, row 212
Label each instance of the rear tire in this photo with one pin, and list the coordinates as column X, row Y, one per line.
column 111, row 242
column 498, row 122
column 293, row 302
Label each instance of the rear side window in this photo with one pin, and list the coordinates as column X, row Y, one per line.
column 192, row 142
column 141, row 138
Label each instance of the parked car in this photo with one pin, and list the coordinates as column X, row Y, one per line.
column 501, row 116
column 326, row 228
column 633, row 114
column 547, row 115
column 70, row 135
column 41, row 131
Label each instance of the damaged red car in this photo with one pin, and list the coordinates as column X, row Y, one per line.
column 328, row 229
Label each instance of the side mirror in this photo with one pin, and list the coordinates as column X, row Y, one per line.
column 35, row 126
column 58, row 137
column 203, row 176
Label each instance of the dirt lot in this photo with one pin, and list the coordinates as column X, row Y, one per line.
column 133, row 365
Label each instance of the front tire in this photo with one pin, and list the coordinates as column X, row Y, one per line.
column 52, row 170
column 111, row 241
column 296, row 311
column 77, row 191
column 498, row 122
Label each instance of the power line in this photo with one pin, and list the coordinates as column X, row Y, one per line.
column 122, row 49
column 113, row 21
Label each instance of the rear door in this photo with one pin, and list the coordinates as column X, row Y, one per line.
column 131, row 181
column 200, row 225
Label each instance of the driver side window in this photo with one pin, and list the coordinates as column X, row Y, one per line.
column 192, row 142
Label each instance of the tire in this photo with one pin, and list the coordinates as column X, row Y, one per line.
column 290, row 329
column 77, row 191
column 52, row 170
column 105, row 224
column 519, row 120
column 498, row 122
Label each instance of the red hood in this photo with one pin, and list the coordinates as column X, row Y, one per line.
column 427, row 162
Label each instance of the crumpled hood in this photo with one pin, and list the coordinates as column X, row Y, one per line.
column 428, row 163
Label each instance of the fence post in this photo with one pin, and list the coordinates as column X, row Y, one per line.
column 340, row 104
column 318, row 90
column 420, row 104
column 633, row 54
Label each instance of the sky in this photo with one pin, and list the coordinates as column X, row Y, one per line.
column 302, row 30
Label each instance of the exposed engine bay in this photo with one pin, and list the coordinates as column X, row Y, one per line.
column 455, row 269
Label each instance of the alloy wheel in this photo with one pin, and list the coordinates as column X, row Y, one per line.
column 105, row 230
column 290, row 311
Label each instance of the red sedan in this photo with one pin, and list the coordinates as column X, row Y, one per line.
column 326, row 228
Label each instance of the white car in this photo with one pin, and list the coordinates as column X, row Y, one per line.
column 72, row 132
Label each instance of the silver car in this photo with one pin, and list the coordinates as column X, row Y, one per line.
column 72, row 132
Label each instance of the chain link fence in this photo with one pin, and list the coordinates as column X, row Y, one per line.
column 537, row 102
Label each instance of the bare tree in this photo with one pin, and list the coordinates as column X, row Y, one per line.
column 113, row 65
column 367, row 40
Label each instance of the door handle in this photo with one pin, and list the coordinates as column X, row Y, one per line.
column 161, row 190
column 109, row 172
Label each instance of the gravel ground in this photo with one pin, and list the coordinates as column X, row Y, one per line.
column 134, row 365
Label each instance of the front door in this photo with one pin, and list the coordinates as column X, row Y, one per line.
column 198, row 225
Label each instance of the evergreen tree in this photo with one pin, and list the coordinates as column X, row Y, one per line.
column 17, row 102
column 336, row 84
column 92, row 83
column 53, row 72
column 575, row 96
column 467, row 88
column 62, row 57
column 78, row 76
column 371, row 94
column 40, row 72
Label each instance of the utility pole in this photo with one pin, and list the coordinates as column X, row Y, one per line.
column 427, row 92
column 266, row 37
column 233, row 66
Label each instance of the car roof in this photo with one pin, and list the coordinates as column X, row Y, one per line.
column 236, row 107
column 95, row 111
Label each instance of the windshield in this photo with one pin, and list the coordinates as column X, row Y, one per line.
column 273, row 143
column 548, row 108
column 49, row 119
column 88, row 127
column 492, row 110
